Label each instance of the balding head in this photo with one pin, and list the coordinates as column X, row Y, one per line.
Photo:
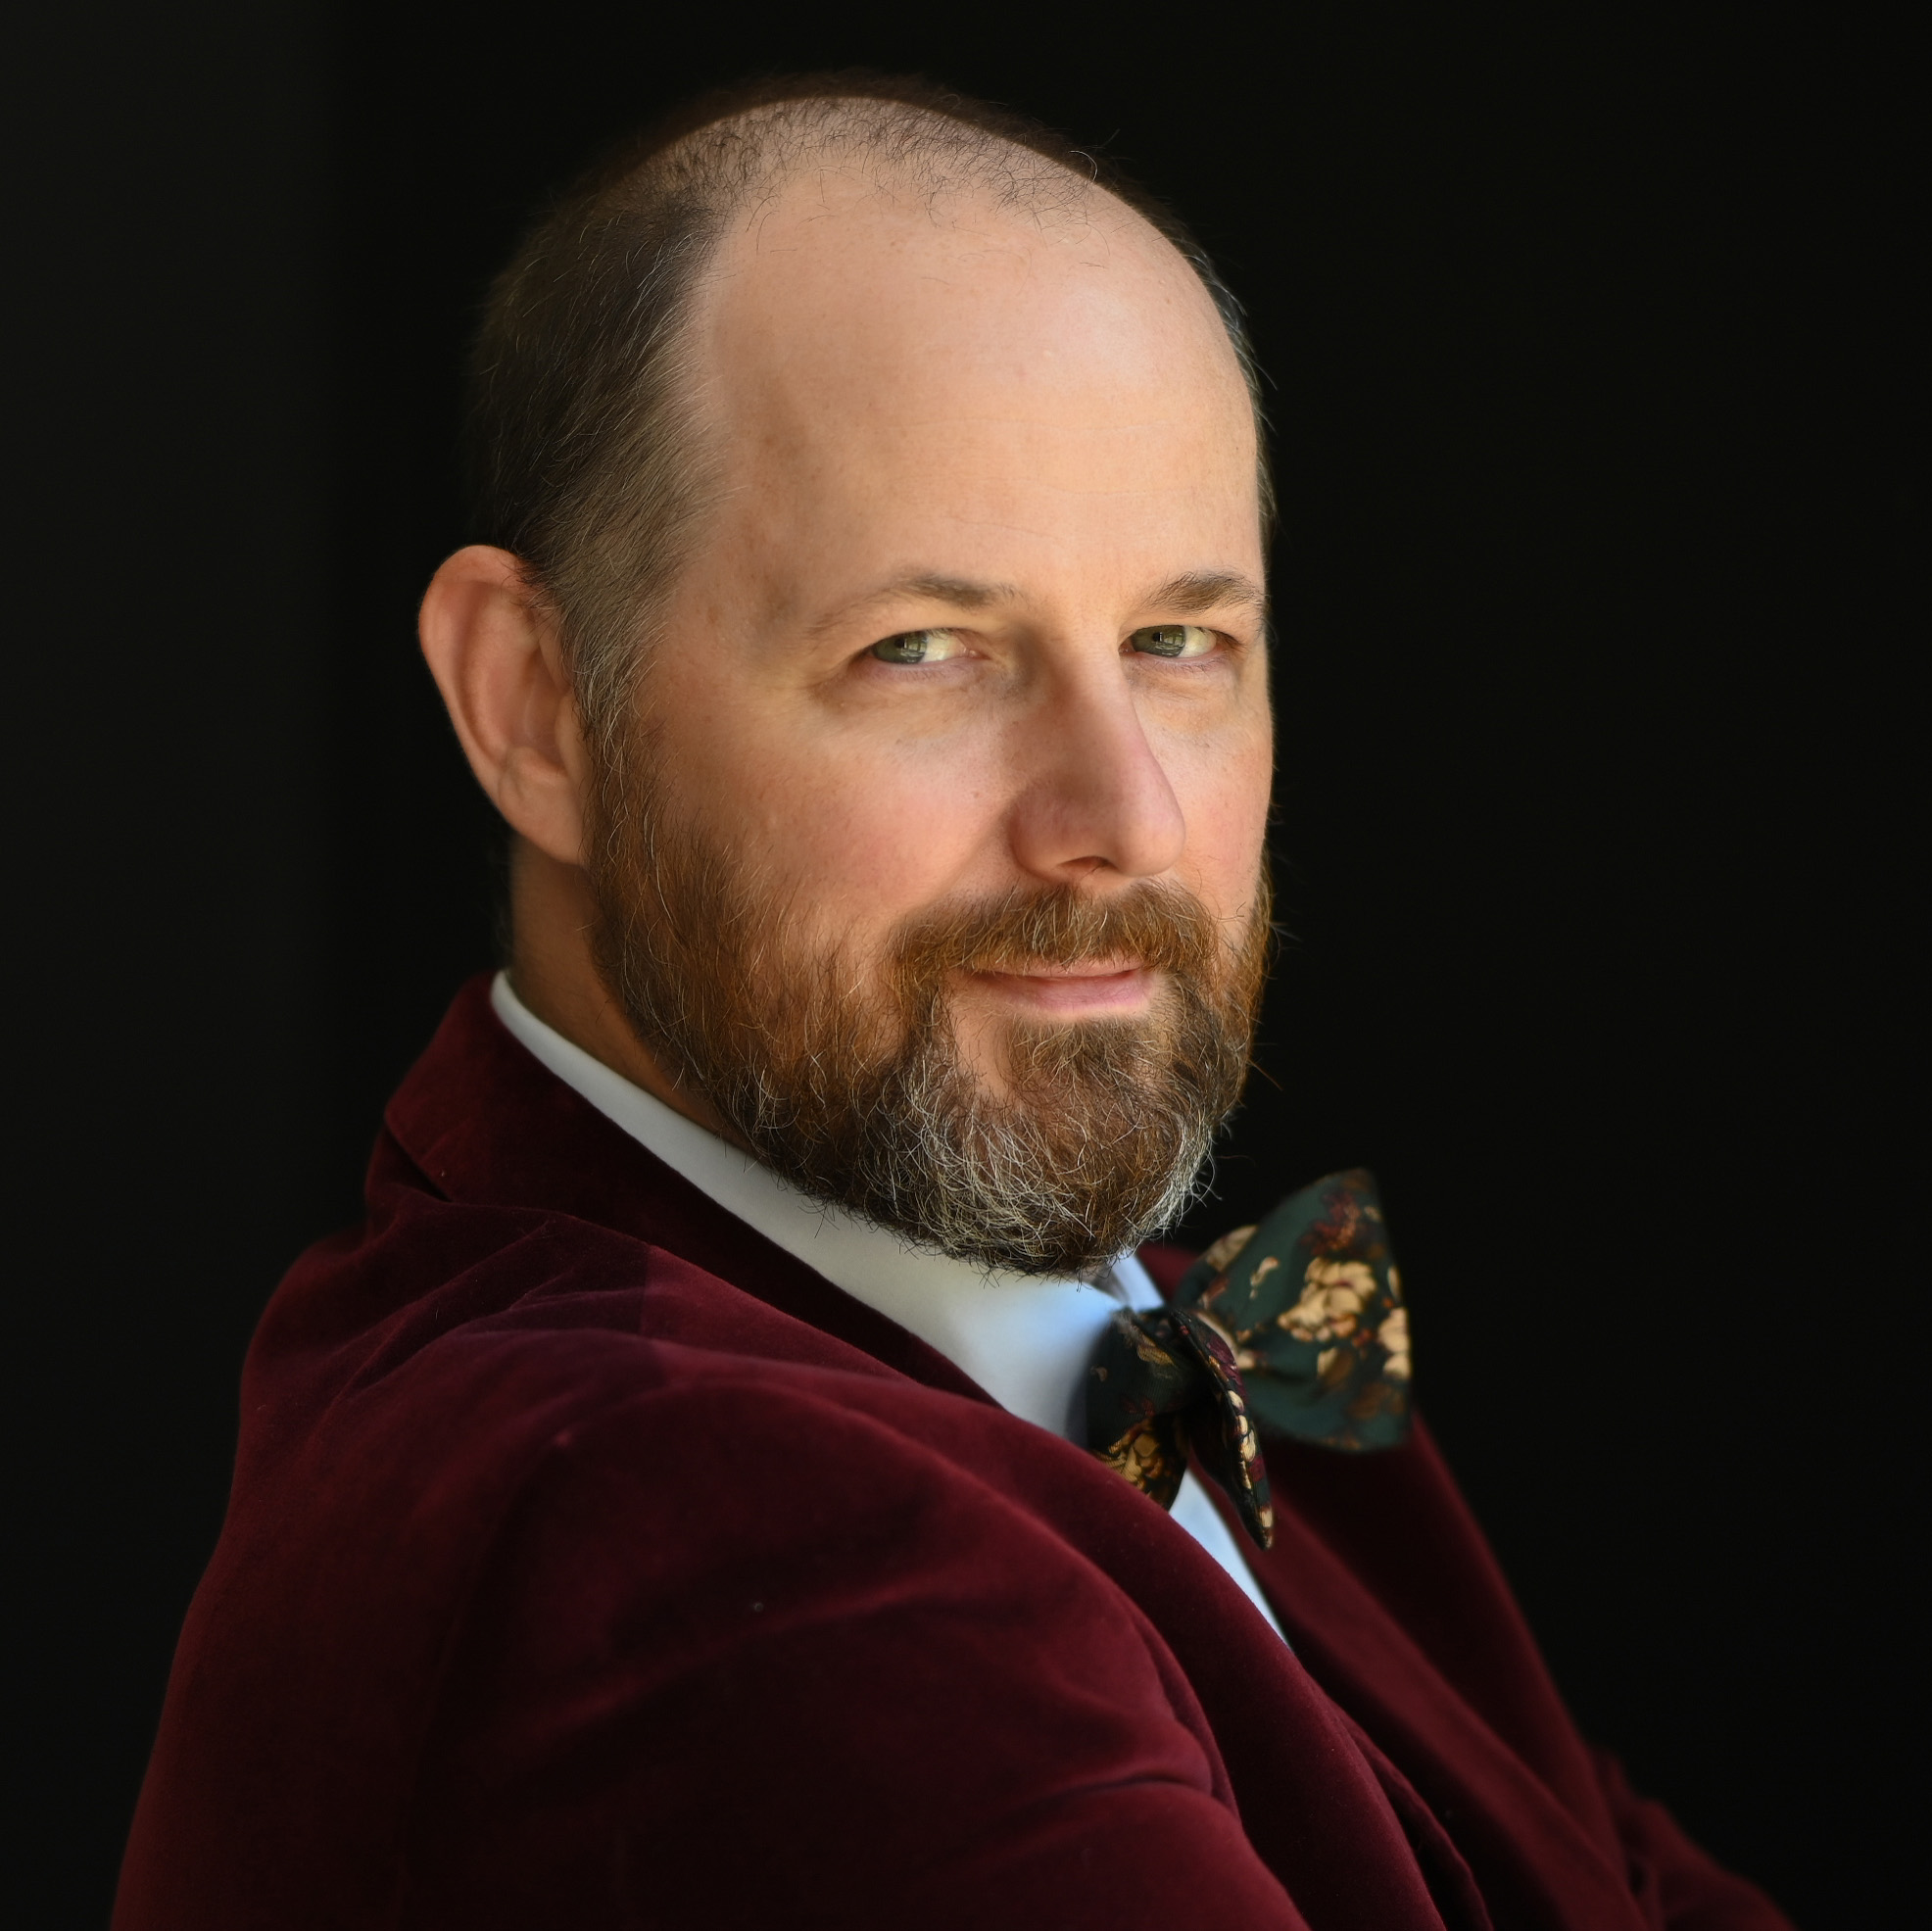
column 589, row 448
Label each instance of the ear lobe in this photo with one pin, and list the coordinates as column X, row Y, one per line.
column 496, row 659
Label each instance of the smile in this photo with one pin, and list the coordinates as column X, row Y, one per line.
column 1074, row 992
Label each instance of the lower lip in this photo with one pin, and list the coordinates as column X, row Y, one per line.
column 1069, row 995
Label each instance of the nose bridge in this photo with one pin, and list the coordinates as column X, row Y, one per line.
column 1095, row 793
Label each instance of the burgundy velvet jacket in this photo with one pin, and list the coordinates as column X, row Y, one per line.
column 592, row 1562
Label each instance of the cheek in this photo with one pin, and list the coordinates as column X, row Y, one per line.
column 1225, row 798
column 852, row 835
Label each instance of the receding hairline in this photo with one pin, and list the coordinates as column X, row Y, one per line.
column 957, row 201
column 745, row 162
column 755, row 147
column 749, row 160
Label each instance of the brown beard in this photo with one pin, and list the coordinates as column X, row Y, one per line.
column 848, row 1080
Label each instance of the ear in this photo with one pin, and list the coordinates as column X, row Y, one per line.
column 496, row 658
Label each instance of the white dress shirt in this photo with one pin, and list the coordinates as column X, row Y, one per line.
column 1026, row 1341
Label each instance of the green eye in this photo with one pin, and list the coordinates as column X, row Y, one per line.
column 917, row 646
column 1174, row 640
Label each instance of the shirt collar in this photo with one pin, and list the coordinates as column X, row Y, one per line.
column 1026, row 1341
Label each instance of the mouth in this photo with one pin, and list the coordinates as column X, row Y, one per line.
column 1088, row 988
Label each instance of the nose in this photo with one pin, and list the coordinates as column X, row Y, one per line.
column 1093, row 798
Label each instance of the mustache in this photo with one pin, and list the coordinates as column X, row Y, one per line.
column 1160, row 926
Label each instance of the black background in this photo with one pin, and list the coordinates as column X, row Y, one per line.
column 1600, row 434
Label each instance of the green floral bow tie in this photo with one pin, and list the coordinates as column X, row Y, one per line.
column 1296, row 1325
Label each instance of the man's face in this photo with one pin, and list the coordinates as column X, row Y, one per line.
column 955, row 741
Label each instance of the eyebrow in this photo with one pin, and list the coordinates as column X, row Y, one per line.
column 1187, row 596
column 962, row 593
column 1198, row 591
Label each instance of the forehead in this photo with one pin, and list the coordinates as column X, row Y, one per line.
column 849, row 308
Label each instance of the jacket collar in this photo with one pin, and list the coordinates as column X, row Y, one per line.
column 485, row 1124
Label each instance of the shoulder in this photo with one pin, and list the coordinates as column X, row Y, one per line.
column 597, row 1554
column 459, row 1375
column 733, row 1489
column 779, row 1592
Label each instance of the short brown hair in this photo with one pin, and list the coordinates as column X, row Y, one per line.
column 582, row 451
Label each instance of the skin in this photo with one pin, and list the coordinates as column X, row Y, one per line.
column 1032, row 438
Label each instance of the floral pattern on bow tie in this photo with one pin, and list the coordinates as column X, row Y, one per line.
column 1164, row 1383
column 1311, row 1302
column 1295, row 1323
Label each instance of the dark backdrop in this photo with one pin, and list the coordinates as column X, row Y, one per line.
column 1598, row 434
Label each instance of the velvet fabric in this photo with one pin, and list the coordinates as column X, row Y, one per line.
column 592, row 1562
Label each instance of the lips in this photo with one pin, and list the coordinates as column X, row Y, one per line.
column 1090, row 986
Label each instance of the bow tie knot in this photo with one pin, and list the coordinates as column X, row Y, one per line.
column 1296, row 1324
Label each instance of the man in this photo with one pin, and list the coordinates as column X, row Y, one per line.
column 739, row 1471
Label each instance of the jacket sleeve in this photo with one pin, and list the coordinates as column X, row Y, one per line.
column 746, row 1656
column 1680, row 1888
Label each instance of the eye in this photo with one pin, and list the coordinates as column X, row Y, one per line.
column 918, row 647
column 1175, row 640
